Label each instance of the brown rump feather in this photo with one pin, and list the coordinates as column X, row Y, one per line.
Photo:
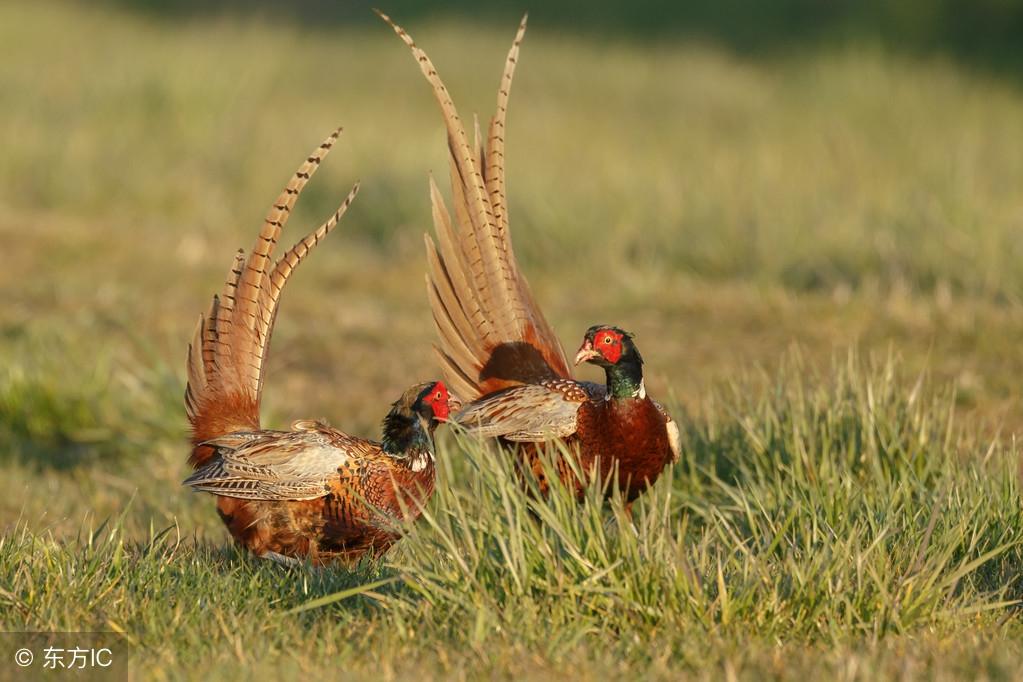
column 228, row 350
column 492, row 333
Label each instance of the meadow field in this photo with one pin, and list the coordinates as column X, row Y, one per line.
column 818, row 249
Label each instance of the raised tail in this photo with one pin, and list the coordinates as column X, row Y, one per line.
column 228, row 350
column 491, row 332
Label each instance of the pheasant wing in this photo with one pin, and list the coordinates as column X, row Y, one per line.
column 530, row 412
column 492, row 333
column 277, row 465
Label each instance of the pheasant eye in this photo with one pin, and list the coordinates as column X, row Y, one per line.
column 607, row 340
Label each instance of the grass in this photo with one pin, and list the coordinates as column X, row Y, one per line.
column 817, row 250
column 842, row 515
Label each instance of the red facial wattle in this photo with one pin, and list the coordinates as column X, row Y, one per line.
column 438, row 402
column 609, row 344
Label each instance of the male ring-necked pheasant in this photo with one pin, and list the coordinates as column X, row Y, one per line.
column 497, row 349
column 312, row 493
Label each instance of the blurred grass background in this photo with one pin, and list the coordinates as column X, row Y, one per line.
column 737, row 183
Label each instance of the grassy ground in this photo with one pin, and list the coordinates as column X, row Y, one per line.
column 818, row 251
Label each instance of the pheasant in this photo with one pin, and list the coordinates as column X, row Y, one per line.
column 312, row 493
column 497, row 349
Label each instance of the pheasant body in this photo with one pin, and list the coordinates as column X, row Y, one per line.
column 495, row 346
column 343, row 496
column 312, row 493
column 632, row 438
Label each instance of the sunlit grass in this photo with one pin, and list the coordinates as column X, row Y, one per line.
column 822, row 514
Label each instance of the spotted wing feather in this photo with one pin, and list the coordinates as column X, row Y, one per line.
column 278, row 465
column 530, row 412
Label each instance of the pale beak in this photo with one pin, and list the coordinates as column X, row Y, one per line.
column 454, row 404
column 586, row 353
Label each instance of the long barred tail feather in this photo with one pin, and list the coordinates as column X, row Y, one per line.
column 229, row 347
column 492, row 333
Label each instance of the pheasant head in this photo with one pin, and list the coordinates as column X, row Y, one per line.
column 607, row 346
column 613, row 349
column 414, row 417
